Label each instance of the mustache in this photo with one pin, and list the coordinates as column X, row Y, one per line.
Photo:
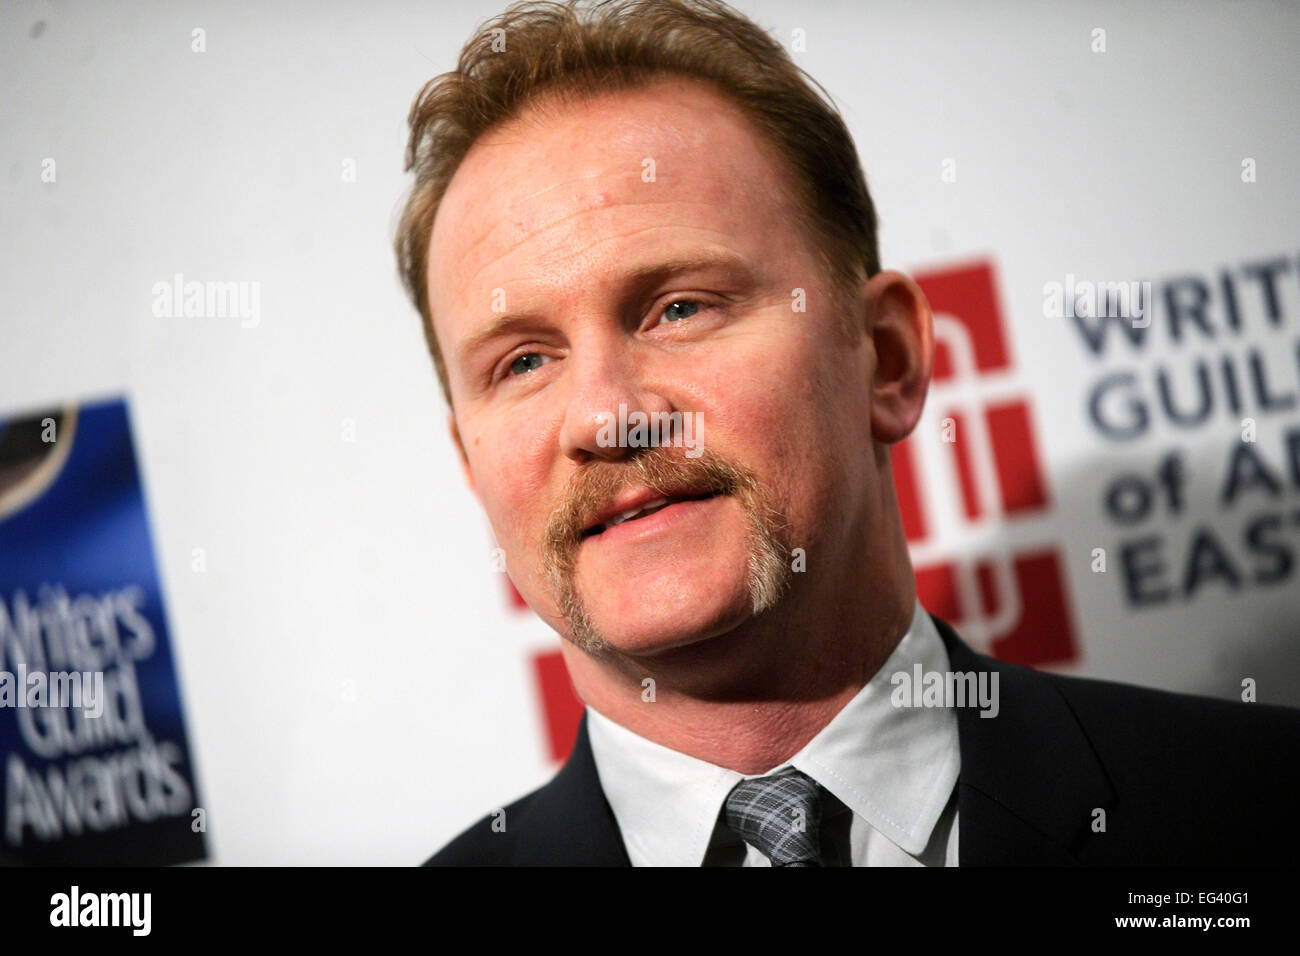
column 658, row 469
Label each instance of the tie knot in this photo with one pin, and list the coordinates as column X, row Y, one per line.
column 779, row 815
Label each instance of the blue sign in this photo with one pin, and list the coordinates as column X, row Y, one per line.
column 96, row 767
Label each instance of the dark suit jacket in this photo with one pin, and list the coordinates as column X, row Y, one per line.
column 1183, row 780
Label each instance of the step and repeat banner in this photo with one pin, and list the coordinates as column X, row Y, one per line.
column 249, row 611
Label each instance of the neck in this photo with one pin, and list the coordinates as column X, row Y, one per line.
column 751, row 698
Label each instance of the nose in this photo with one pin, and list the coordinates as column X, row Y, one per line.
column 607, row 389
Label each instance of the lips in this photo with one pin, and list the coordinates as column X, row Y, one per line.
column 638, row 506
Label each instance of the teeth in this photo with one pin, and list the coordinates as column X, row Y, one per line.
column 629, row 515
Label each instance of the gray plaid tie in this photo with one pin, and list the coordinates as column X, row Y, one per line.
column 780, row 815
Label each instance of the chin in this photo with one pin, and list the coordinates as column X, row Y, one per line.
column 676, row 578
column 645, row 638
column 646, row 617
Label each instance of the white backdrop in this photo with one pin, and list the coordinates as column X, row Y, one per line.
column 348, row 648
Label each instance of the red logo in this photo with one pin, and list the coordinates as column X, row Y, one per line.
column 977, row 438
column 970, row 482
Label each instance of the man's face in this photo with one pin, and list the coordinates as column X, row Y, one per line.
column 635, row 253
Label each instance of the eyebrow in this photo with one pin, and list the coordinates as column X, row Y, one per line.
column 740, row 270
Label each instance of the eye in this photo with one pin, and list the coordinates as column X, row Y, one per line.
column 527, row 362
column 680, row 309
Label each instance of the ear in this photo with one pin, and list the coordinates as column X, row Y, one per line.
column 902, row 333
column 460, row 450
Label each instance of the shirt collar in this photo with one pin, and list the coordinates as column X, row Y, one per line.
column 895, row 767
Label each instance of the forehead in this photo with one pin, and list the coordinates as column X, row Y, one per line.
column 545, row 194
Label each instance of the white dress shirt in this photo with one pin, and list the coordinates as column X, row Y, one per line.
column 891, row 772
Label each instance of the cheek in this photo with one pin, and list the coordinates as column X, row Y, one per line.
column 517, row 507
column 746, row 382
column 511, row 472
column 789, row 407
column 765, row 391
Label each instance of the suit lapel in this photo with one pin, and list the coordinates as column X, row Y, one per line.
column 569, row 822
column 1029, row 783
column 1030, row 780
